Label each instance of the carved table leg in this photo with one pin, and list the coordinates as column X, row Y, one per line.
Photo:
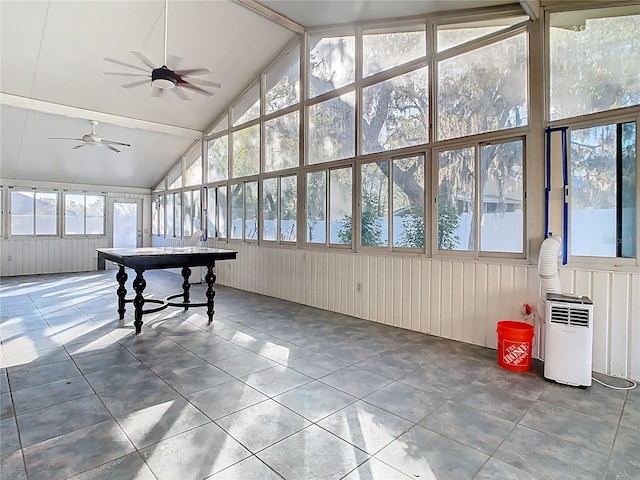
column 138, row 285
column 210, row 278
column 122, row 277
column 186, row 273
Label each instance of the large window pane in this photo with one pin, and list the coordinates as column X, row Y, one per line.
column 457, row 34
column 74, row 214
column 395, row 113
column 95, row 214
column 603, row 191
column 246, row 151
column 212, row 210
column 237, row 210
column 193, row 174
column 456, row 199
column 331, row 62
column 316, row 207
column 594, row 61
column 251, row 211
column 22, row 213
column 374, row 200
column 218, row 159
column 177, row 200
column 502, row 192
column 222, row 212
column 248, row 108
column 408, row 202
column 332, row 129
column 282, row 142
column 283, row 82
column 288, row 208
column 187, row 217
column 270, row 209
column 384, row 49
column 197, row 210
column 341, row 206
column 46, row 213
column 170, row 217
column 484, row 90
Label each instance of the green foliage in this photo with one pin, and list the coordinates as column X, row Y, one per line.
column 413, row 232
column 448, row 220
column 371, row 230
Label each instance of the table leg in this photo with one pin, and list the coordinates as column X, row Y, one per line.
column 122, row 277
column 186, row 273
column 139, row 283
column 210, row 278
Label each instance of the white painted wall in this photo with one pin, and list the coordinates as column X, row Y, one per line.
column 461, row 300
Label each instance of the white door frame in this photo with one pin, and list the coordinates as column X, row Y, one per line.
column 111, row 202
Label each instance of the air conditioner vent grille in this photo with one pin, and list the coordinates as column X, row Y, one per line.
column 567, row 315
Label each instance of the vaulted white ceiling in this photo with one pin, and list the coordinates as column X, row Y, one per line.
column 51, row 83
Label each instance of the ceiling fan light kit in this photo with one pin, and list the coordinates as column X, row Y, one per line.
column 163, row 78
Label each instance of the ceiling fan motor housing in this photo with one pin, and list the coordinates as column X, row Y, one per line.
column 163, row 78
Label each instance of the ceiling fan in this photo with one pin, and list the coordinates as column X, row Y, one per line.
column 164, row 78
column 93, row 139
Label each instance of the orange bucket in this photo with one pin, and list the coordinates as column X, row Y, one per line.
column 514, row 345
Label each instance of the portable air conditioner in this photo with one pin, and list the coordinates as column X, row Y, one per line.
column 568, row 339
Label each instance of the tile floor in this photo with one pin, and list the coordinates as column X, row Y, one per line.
column 277, row 390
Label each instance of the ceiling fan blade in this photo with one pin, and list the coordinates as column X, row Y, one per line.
column 144, row 59
column 65, row 138
column 205, row 83
column 199, row 90
column 180, row 93
column 193, row 72
column 111, row 148
column 136, row 83
column 111, row 142
column 78, row 146
column 156, row 92
column 173, row 61
column 124, row 64
column 123, row 74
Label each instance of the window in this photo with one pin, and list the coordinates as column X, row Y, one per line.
column 192, row 212
column 334, row 198
column 282, row 142
column 220, row 126
column 283, row 82
column 395, row 113
column 279, row 205
column 218, row 159
column 248, row 108
column 84, row 214
column 193, row 173
column 33, row 213
column 456, row 34
column 157, row 213
column 594, row 65
column 603, row 191
column 217, row 212
column 332, row 133
column 331, row 62
column 385, row 48
column 246, row 151
column 244, row 211
column 174, row 214
column 175, row 177
column 484, row 90
column 392, row 215
column 501, row 193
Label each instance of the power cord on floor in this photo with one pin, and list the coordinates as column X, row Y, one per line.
column 630, row 387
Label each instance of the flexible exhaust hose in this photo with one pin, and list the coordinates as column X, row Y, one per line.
column 548, row 271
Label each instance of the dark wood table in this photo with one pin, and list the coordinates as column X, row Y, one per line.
column 141, row 259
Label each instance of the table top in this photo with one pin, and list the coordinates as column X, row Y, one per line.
column 165, row 257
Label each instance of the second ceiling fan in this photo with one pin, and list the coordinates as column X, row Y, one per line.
column 164, row 78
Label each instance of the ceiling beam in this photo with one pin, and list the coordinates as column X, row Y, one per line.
column 74, row 112
column 271, row 15
column 531, row 8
